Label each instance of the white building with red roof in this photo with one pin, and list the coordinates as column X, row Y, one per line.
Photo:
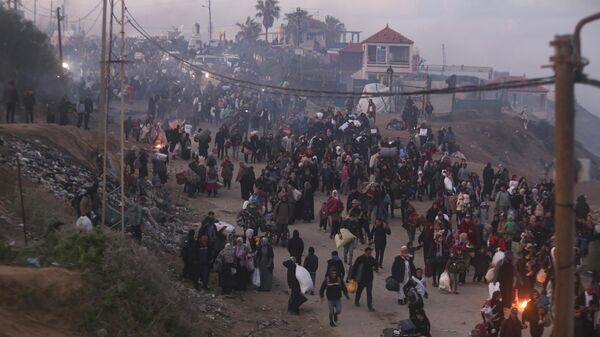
column 384, row 49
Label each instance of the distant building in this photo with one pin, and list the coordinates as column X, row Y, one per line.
column 484, row 73
column 384, row 49
column 531, row 98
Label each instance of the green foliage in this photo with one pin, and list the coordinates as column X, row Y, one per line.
column 249, row 31
column 27, row 57
column 268, row 10
column 297, row 21
column 333, row 31
column 125, row 290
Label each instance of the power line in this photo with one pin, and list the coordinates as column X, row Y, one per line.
column 91, row 11
column 325, row 93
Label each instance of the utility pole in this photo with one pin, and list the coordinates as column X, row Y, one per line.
column 102, row 111
column 34, row 11
column 210, row 25
column 58, row 20
column 106, row 110
column 564, row 135
column 21, row 197
column 123, row 90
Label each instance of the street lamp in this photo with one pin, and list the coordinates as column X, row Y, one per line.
column 210, row 26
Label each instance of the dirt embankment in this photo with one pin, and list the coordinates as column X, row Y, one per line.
column 38, row 302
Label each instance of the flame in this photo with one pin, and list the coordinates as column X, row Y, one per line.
column 158, row 146
column 523, row 305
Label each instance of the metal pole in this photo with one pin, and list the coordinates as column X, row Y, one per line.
column 21, row 197
column 34, row 11
column 564, row 216
column 102, row 106
column 123, row 90
column 58, row 19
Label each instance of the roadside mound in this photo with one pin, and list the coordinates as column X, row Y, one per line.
column 38, row 302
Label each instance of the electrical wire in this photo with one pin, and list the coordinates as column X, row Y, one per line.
column 87, row 31
column 91, row 11
column 589, row 81
column 325, row 93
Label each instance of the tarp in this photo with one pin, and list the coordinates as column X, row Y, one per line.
column 382, row 103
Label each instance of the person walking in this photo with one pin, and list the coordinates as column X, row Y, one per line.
column 402, row 271
column 11, row 99
column 296, row 298
column 379, row 233
column 264, row 262
column 311, row 263
column 29, row 103
column 88, row 109
column 334, row 286
column 296, row 246
column 362, row 272
column 281, row 216
column 336, row 263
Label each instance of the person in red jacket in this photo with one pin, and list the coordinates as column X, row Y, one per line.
column 468, row 226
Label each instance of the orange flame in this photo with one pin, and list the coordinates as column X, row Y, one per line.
column 523, row 305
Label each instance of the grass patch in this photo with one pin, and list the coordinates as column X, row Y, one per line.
column 125, row 290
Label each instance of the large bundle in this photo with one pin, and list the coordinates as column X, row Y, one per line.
column 388, row 152
column 303, row 277
column 344, row 238
column 204, row 136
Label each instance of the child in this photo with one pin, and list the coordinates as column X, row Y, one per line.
column 323, row 217
column 420, row 283
column 311, row 263
column 335, row 287
column 481, row 262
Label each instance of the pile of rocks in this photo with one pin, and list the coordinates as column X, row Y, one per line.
column 49, row 167
column 64, row 177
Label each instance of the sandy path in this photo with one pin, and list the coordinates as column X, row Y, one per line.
column 450, row 315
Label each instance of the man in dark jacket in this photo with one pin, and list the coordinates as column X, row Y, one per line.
column 220, row 142
column 336, row 263
column 28, row 103
column 335, row 287
column 311, row 263
column 488, row 180
column 88, row 108
column 582, row 324
column 512, row 327
column 296, row 246
column 11, row 99
column 402, row 271
column 362, row 272
column 296, row 297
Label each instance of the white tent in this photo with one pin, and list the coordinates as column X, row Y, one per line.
column 382, row 103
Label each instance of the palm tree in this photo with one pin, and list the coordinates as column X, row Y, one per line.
column 297, row 22
column 249, row 31
column 268, row 10
column 333, row 29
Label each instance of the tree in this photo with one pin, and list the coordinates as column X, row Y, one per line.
column 27, row 57
column 333, row 29
column 297, row 22
column 249, row 31
column 268, row 10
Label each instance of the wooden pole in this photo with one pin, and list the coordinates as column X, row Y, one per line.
column 58, row 19
column 102, row 107
column 21, row 198
column 122, row 128
column 564, row 216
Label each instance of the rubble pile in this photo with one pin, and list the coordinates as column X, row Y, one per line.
column 49, row 167
column 60, row 174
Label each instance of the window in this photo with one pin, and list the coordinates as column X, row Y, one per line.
column 399, row 54
column 376, row 54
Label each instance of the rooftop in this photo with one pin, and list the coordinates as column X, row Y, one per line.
column 533, row 89
column 352, row 48
column 388, row 35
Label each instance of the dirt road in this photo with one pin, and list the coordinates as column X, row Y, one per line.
column 450, row 315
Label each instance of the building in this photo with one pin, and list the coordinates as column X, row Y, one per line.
column 384, row 49
column 531, row 98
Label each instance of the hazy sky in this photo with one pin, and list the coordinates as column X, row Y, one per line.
column 509, row 35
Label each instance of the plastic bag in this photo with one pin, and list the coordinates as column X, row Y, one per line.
column 256, row 278
column 392, row 284
column 303, row 277
column 297, row 194
column 493, row 287
column 344, row 238
column 352, row 286
column 445, row 282
column 490, row 276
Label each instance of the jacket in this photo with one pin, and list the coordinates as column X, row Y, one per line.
column 338, row 265
column 281, row 213
column 362, row 269
column 399, row 268
column 380, row 234
column 334, row 288
column 311, row 263
column 296, row 245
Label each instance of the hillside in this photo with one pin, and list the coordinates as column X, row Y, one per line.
column 501, row 139
column 587, row 126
